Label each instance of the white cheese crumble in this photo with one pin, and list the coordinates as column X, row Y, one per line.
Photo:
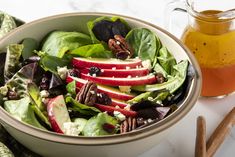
column 128, row 107
column 127, row 68
column 147, row 64
column 119, row 115
column 125, row 89
column 62, row 72
column 113, row 68
column 94, row 75
column 102, row 70
column 44, row 93
column 129, row 76
column 4, row 90
column 71, row 128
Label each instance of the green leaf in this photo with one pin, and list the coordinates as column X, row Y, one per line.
column 7, row 24
column 158, row 69
column 4, row 151
column 143, row 41
column 173, row 83
column 30, row 45
column 94, row 50
column 83, row 109
column 71, row 87
column 94, row 126
column 166, row 60
column 22, row 110
column 50, row 63
column 59, row 42
column 12, row 62
column 81, row 122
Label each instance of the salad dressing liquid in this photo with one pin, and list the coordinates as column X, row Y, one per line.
column 213, row 44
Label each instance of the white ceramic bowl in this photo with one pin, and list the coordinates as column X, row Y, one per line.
column 50, row 144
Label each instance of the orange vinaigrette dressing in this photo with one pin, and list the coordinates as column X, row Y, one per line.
column 213, row 44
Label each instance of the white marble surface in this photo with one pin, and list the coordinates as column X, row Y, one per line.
column 180, row 143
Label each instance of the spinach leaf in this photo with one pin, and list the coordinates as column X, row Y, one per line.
column 94, row 50
column 50, row 63
column 30, row 45
column 166, row 60
column 7, row 24
column 94, row 126
column 71, row 87
column 21, row 109
column 158, row 69
column 143, row 41
column 12, row 60
column 173, row 83
column 59, row 42
column 83, row 109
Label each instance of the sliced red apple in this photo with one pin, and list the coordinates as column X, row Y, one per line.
column 134, row 81
column 119, row 103
column 137, row 72
column 111, row 109
column 57, row 113
column 106, row 63
column 110, row 91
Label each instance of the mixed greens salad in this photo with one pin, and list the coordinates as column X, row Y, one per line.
column 114, row 80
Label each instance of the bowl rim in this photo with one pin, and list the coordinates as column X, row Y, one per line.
column 7, row 120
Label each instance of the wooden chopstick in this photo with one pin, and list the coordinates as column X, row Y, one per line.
column 218, row 136
column 200, row 147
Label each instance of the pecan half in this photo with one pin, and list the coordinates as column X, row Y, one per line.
column 128, row 125
column 120, row 47
column 87, row 94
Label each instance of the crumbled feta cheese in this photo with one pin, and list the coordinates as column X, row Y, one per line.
column 149, row 120
column 119, row 115
column 127, row 68
column 4, row 90
column 159, row 102
column 71, row 128
column 102, row 70
column 125, row 89
column 147, row 64
column 94, row 75
column 62, row 72
column 113, row 68
column 44, row 93
column 150, row 98
column 129, row 76
column 117, row 107
column 92, row 92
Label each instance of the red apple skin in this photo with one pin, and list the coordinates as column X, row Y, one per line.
column 102, row 89
column 120, row 73
column 119, row 103
column 111, row 109
column 53, row 118
column 107, row 64
column 149, row 79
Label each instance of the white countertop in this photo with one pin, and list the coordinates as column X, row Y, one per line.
column 180, row 143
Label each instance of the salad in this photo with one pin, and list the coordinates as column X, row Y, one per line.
column 114, row 80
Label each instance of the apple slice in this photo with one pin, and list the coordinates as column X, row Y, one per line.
column 110, row 91
column 106, row 63
column 120, row 103
column 111, row 109
column 57, row 113
column 137, row 72
column 134, row 81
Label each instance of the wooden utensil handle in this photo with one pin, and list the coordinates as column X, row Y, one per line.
column 200, row 147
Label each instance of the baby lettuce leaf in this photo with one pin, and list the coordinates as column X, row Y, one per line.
column 173, row 83
column 166, row 60
column 21, row 109
column 93, row 50
column 7, row 24
column 21, row 79
column 143, row 41
column 81, row 123
column 71, row 88
column 12, row 60
column 50, row 63
column 158, row 69
column 94, row 126
column 104, row 28
column 59, row 42
column 83, row 109
column 30, row 45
